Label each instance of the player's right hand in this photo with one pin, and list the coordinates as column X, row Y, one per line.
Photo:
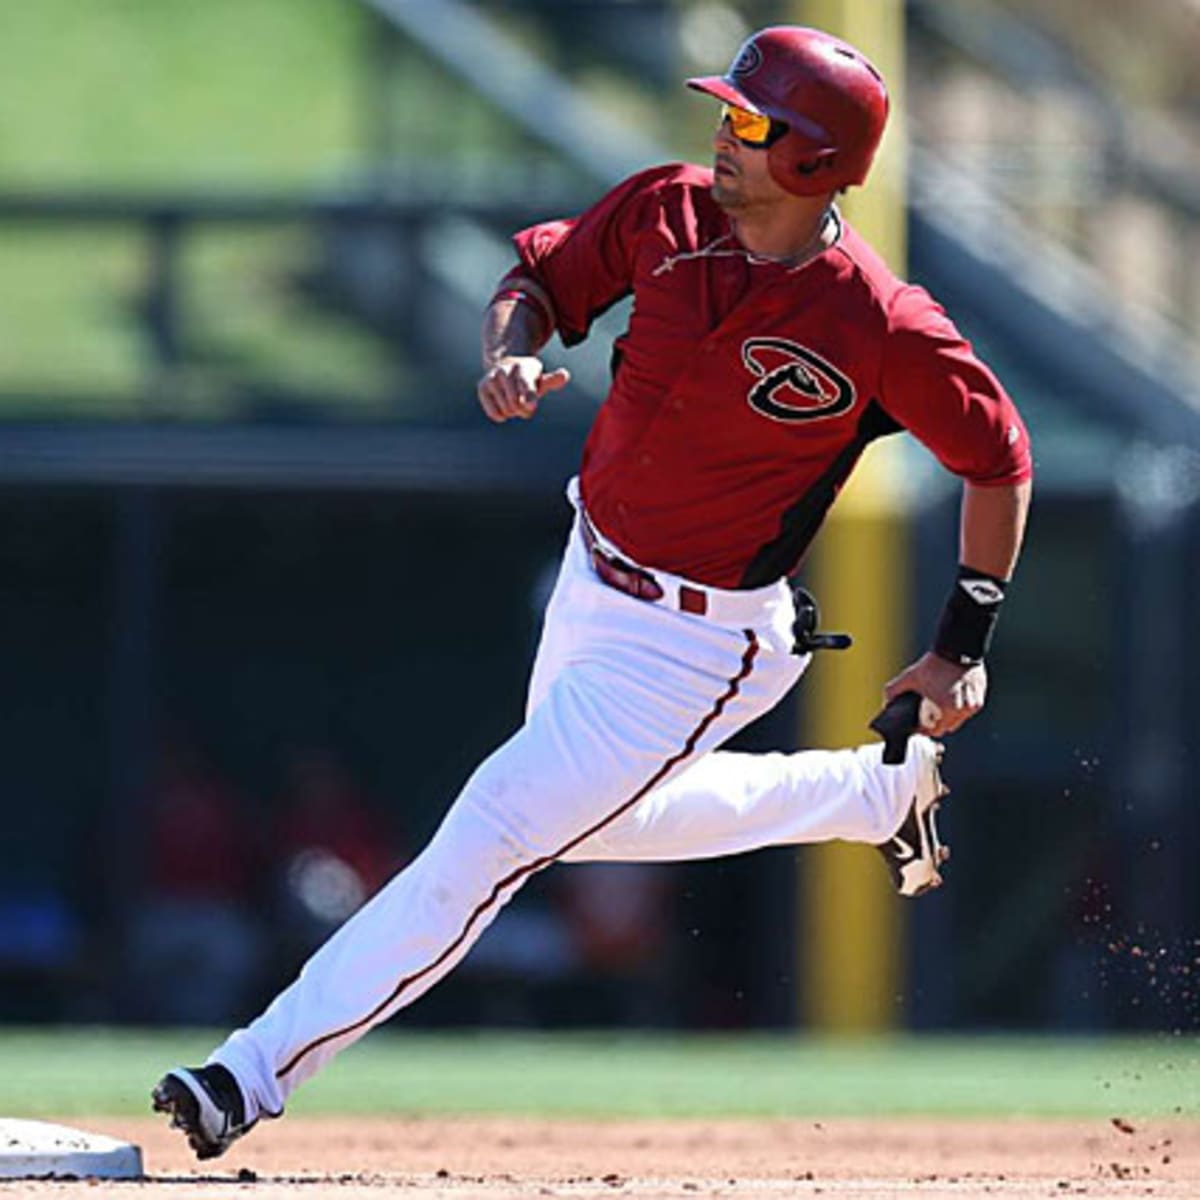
column 957, row 692
column 512, row 387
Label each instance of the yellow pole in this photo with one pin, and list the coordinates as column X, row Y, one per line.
column 850, row 918
column 876, row 27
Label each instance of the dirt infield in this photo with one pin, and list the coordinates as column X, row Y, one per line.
column 486, row 1159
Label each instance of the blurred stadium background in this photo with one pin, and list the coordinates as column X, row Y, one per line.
column 270, row 584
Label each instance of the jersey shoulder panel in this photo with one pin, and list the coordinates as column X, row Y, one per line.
column 938, row 388
column 914, row 311
column 680, row 174
column 862, row 261
column 585, row 263
column 678, row 196
column 670, row 182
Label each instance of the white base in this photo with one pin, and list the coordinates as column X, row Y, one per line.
column 37, row 1150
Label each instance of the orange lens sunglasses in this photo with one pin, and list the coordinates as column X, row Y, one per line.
column 755, row 129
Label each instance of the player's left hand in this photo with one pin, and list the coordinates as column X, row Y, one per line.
column 959, row 692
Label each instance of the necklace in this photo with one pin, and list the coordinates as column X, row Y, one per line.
column 817, row 244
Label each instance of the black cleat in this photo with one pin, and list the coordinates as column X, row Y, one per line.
column 206, row 1103
column 915, row 852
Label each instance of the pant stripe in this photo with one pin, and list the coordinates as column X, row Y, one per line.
column 538, row 864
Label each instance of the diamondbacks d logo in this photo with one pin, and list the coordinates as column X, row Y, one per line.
column 794, row 383
column 748, row 61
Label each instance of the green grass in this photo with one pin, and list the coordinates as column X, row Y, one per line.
column 176, row 93
column 65, row 307
column 68, row 311
column 97, row 1072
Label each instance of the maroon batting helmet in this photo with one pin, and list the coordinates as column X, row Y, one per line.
column 829, row 95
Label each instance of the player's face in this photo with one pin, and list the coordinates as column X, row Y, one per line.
column 741, row 178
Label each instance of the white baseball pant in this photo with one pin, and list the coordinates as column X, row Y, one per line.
column 616, row 760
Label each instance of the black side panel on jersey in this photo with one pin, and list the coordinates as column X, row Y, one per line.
column 618, row 355
column 800, row 523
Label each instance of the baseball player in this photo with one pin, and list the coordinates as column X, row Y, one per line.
column 767, row 346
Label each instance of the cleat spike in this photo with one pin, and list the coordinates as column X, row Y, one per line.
column 206, row 1104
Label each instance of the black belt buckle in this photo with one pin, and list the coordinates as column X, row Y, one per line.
column 804, row 628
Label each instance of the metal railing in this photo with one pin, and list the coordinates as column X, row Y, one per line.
column 1021, row 113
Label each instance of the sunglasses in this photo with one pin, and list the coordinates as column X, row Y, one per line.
column 750, row 128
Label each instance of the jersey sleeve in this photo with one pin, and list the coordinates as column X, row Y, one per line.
column 937, row 388
column 584, row 264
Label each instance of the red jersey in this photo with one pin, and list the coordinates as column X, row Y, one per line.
column 745, row 390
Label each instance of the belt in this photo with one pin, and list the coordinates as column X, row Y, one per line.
column 636, row 581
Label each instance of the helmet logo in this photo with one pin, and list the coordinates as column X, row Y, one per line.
column 794, row 383
column 749, row 59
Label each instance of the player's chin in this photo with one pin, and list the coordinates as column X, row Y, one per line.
column 726, row 192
